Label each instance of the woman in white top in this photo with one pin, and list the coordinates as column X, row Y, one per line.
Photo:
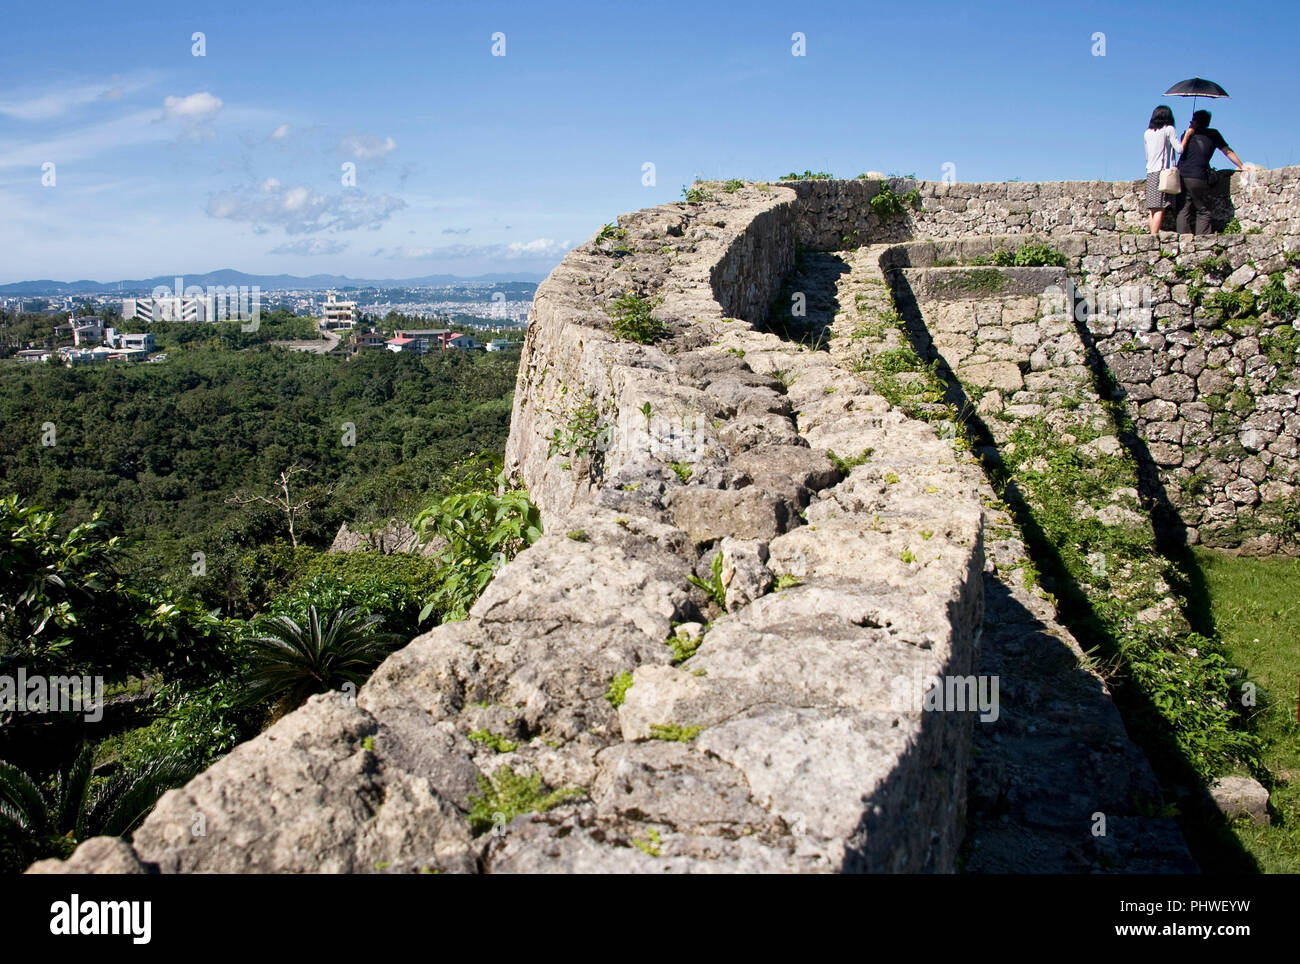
column 1163, row 148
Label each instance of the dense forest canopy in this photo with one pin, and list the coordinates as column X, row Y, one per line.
column 163, row 448
column 141, row 542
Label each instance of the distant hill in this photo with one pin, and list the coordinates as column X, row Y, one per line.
column 267, row 282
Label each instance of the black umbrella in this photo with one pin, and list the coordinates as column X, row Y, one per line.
column 1196, row 87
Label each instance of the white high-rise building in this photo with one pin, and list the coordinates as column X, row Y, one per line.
column 338, row 315
column 172, row 308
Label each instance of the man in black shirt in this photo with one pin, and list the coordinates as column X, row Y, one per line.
column 1199, row 144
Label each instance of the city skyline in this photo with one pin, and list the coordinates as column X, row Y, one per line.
column 227, row 139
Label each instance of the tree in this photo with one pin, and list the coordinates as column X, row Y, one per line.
column 67, row 607
column 291, row 660
column 50, row 824
column 284, row 501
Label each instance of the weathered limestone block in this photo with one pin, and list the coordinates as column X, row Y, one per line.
column 98, row 855
column 1242, row 797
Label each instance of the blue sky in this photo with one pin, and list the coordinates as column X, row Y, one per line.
column 166, row 162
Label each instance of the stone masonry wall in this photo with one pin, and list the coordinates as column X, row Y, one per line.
column 837, row 214
column 1214, row 399
column 642, row 723
column 762, row 729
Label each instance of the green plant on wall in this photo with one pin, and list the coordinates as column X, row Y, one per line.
column 1277, row 300
column 887, row 205
column 713, row 587
column 633, row 320
column 579, row 436
column 1037, row 256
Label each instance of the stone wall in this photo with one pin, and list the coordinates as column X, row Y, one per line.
column 1213, row 399
column 837, row 214
column 656, row 726
column 747, row 550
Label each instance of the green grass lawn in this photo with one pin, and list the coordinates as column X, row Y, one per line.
column 1255, row 606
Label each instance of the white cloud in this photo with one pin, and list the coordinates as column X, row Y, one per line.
column 132, row 130
column 405, row 254
column 366, row 147
column 455, row 230
column 300, row 210
column 54, row 102
column 280, row 133
column 193, row 107
column 310, row 246
column 540, row 248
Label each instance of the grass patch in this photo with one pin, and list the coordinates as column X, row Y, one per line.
column 1256, row 610
column 1178, row 687
column 496, row 741
column 845, row 466
column 618, row 688
column 508, row 794
column 674, row 732
column 651, row 844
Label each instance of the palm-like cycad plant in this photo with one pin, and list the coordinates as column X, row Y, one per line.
column 52, row 822
column 290, row 661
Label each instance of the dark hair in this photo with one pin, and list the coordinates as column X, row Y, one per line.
column 1162, row 116
column 1201, row 120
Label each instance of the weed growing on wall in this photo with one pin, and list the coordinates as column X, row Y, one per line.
column 634, row 320
column 887, row 205
column 509, row 794
column 484, row 530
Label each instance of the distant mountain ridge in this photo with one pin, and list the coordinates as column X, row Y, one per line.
column 267, row 282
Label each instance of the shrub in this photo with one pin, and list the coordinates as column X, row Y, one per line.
column 887, row 205
column 1233, row 305
column 634, row 320
column 50, row 822
column 1277, row 300
column 484, row 530
column 289, row 660
column 67, row 607
column 1038, row 255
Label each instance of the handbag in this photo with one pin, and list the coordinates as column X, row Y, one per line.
column 1170, row 180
